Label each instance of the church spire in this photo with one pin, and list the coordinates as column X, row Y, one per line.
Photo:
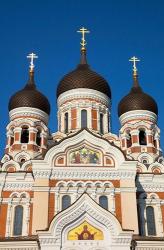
column 83, row 43
column 134, row 60
column 31, row 81
column 32, row 56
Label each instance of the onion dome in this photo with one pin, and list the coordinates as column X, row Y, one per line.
column 137, row 99
column 83, row 77
column 29, row 96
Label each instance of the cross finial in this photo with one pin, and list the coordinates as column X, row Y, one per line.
column 32, row 56
column 134, row 60
column 83, row 42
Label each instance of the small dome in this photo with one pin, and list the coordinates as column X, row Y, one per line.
column 29, row 96
column 83, row 77
column 137, row 100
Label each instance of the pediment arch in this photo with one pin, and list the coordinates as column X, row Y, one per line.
column 11, row 163
column 84, row 210
column 22, row 155
column 91, row 141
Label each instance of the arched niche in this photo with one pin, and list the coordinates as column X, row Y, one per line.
column 85, row 210
column 85, row 155
column 84, row 138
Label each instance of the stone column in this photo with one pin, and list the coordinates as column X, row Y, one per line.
column 105, row 122
column 32, row 135
column 40, row 205
column 129, row 205
column 17, row 135
column 43, row 140
column 135, row 137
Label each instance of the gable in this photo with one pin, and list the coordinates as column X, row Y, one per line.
column 85, row 149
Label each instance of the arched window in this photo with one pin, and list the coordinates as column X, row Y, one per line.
column 66, row 123
column 66, row 201
column 145, row 161
column 38, row 137
column 18, row 220
column 129, row 140
column 101, row 123
column 12, row 136
column 155, row 143
column 150, row 220
column 142, row 137
column 103, row 201
column 25, row 135
column 84, row 118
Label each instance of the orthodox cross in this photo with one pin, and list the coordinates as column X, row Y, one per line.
column 134, row 60
column 83, row 31
column 32, row 56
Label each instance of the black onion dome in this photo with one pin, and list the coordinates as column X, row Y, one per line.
column 137, row 100
column 29, row 96
column 83, row 77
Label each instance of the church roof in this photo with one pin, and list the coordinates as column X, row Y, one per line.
column 29, row 96
column 83, row 77
column 137, row 100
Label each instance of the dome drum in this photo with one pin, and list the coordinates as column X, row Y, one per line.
column 83, row 93
column 138, row 115
column 35, row 113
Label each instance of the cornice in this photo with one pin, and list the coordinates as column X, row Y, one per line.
column 28, row 112
column 83, row 93
column 138, row 115
column 81, row 174
column 11, row 186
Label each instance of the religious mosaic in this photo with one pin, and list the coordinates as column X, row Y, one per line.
column 85, row 231
column 84, row 156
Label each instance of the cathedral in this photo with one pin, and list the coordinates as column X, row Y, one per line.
column 82, row 187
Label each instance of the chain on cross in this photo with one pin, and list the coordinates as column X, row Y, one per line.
column 134, row 60
column 32, row 56
column 83, row 31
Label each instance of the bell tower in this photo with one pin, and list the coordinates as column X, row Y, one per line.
column 29, row 111
column 84, row 98
column 138, row 114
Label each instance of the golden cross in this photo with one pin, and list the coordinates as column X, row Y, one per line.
column 83, row 31
column 32, row 56
column 134, row 60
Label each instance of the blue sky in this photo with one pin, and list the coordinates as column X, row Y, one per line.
column 119, row 30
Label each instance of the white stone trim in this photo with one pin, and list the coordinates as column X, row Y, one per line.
column 85, row 209
column 83, row 136
column 138, row 115
column 25, row 203
column 5, row 158
column 22, row 155
column 150, row 182
column 83, row 93
column 80, row 105
column 92, row 174
column 19, row 245
column 16, row 181
column 154, row 202
column 94, row 189
column 149, row 245
column 66, row 184
column 145, row 156
column 11, row 163
column 74, row 194
column 18, row 186
column 28, row 111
